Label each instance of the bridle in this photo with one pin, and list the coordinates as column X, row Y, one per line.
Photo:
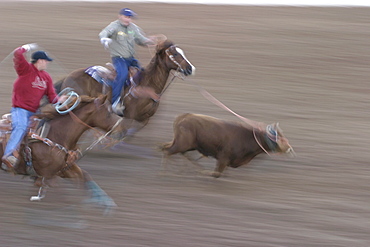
column 180, row 71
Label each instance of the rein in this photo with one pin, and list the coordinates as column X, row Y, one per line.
column 168, row 84
column 74, row 117
column 103, row 136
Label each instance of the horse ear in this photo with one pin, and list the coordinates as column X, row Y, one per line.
column 160, row 47
column 101, row 98
column 104, row 98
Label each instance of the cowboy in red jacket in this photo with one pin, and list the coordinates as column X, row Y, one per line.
column 32, row 84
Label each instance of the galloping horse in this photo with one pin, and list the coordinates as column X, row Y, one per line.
column 55, row 155
column 138, row 102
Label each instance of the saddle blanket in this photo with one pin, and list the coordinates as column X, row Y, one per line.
column 97, row 72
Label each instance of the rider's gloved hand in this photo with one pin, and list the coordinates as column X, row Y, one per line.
column 106, row 42
column 62, row 98
column 32, row 46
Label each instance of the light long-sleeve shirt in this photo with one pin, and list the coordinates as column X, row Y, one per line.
column 124, row 38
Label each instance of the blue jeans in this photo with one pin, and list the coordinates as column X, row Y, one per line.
column 20, row 122
column 121, row 66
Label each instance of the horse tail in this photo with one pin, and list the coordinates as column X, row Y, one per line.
column 58, row 85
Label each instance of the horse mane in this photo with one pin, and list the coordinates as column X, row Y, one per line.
column 156, row 61
column 48, row 111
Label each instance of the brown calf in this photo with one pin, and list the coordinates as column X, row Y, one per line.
column 231, row 143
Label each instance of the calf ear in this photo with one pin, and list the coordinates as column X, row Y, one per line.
column 278, row 129
column 271, row 131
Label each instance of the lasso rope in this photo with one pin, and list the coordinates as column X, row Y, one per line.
column 212, row 99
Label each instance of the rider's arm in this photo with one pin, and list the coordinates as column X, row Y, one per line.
column 21, row 65
column 50, row 93
column 140, row 37
column 108, row 31
column 106, row 34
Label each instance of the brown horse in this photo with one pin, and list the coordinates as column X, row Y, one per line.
column 55, row 155
column 151, row 81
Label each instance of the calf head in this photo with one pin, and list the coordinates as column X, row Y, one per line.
column 275, row 134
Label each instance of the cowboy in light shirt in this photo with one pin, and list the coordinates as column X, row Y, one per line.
column 119, row 38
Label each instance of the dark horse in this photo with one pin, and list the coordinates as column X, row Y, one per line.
column 55, row 155
column 138, row 100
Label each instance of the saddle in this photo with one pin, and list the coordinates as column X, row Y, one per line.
column 106, row 75
column 37, row 126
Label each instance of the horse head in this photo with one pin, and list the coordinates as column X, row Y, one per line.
column 175, row 58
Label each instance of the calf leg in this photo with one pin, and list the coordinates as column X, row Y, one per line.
column 165, row 161
column 168, row 165
column 168, row 162
column 194, row 161
column 183, row 141
column 220, row 167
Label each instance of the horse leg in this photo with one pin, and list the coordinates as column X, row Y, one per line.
column 98, row 195
column 42, row 190
column 74, row 172
column 133, row 128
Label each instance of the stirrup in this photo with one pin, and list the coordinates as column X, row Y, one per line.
column 118, row 107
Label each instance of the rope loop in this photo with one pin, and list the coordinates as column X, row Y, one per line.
column 72, row 96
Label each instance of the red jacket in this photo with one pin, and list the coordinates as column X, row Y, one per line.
column 31, row 84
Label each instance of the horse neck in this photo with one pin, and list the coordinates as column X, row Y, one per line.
column 155, row 74
column 66, row 132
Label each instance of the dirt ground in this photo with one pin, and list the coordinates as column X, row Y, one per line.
column 307, row 68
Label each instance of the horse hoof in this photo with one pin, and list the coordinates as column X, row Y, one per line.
column 206, row 173
column 104, row 202
column 109, row 210
column 216, row 174
column 36, row 198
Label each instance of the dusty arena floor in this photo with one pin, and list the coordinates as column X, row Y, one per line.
column 307, row 68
